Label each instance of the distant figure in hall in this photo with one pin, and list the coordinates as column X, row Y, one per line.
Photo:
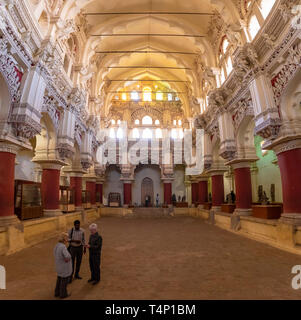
column 147, row 201
column 63, row 266
column 157, row 200
column 233, row 196
column 183, row 199
column 76, row 248
column 174, row 198
column 95, row 245
column 179, row 198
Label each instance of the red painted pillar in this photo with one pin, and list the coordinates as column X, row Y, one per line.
column 217, row 190
column 127, row 193
column 90, row 186
column 167, row 192
column 243, row 184
column 289, row 164
column 50, row 188
column 203, row 192
column 76, row 184
column 194, row 192
column 7, row 177
column 99, row 189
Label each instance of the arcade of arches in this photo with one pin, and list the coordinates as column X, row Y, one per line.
column 77, row 74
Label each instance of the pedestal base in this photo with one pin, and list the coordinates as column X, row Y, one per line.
column 291, row 218
column 216, row 209
column 228, row 208
column 243, row 212
column 266, row 211
column 8, row 221
column 53, row 213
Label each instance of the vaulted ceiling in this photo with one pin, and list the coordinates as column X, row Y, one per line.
column 178, row 31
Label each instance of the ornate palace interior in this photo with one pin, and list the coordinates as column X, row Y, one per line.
column 75, row 74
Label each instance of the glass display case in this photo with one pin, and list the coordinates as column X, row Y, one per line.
column 86, row 199
column 28, row 200
column 114, row 199
column 67, row 196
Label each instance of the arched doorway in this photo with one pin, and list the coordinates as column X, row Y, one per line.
column 147, row 192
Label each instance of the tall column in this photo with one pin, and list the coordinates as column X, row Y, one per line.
column 127, row 193
column 7, row 179
column 91, row 187
column 76, row 182
column 51, row 186
column 99, row 191
column 289, row 159
column 195, row 192
column 243, row 186
column 188, row 191
column 203, row 191
column 167, row 192
column 217, row 179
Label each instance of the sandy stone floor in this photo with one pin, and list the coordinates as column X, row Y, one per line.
column 177, row 258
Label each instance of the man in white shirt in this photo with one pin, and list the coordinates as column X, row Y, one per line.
column 76, row 248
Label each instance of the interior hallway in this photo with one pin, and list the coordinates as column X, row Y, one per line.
column 165, row 258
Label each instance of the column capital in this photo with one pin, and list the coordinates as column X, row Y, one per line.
column 285, row 144
column 9, row 147
column 241, row 163
column 54, row 164
column 216, row 172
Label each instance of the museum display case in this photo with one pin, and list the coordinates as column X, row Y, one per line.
column 67, row 196
column 28, row 200
column 86, row 199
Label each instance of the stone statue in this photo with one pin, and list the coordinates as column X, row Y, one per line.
column 265, row 199
column 179, row 198
column 273, row 192
column 260, row 193
column 231, row 197
column 183, row 199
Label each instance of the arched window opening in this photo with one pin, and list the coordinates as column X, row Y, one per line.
column 134, row 95
column 136, row 134
column 266, row 7
column 119, row 133
column 225, row 45
column 229, row 65
column 159, row 96
column 147, row 94
column 147, row 120
column 124, row 96
column 158, row 133
column 169, row 97
column 137, row 121
column 174, row 134
column 254, row 27
column 223, row 76
column 113, row 122
column 147, row 134
column 157, row 122
column 112, row 134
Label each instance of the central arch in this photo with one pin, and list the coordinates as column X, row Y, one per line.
column 147, row 191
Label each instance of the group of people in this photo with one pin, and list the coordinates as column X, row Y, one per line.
column 68, row 255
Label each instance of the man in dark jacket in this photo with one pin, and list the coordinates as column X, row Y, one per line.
column 95, row 245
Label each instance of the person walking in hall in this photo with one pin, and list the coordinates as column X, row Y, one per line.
column 63, row 266
column 76, row 248
column 94, row 245
column 157, row 200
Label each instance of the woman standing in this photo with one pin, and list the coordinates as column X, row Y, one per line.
column 95, row 245
column 63, row 265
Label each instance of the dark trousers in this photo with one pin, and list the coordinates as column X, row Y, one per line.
column 61, row 287
column 76, row 254
column 94, row 261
